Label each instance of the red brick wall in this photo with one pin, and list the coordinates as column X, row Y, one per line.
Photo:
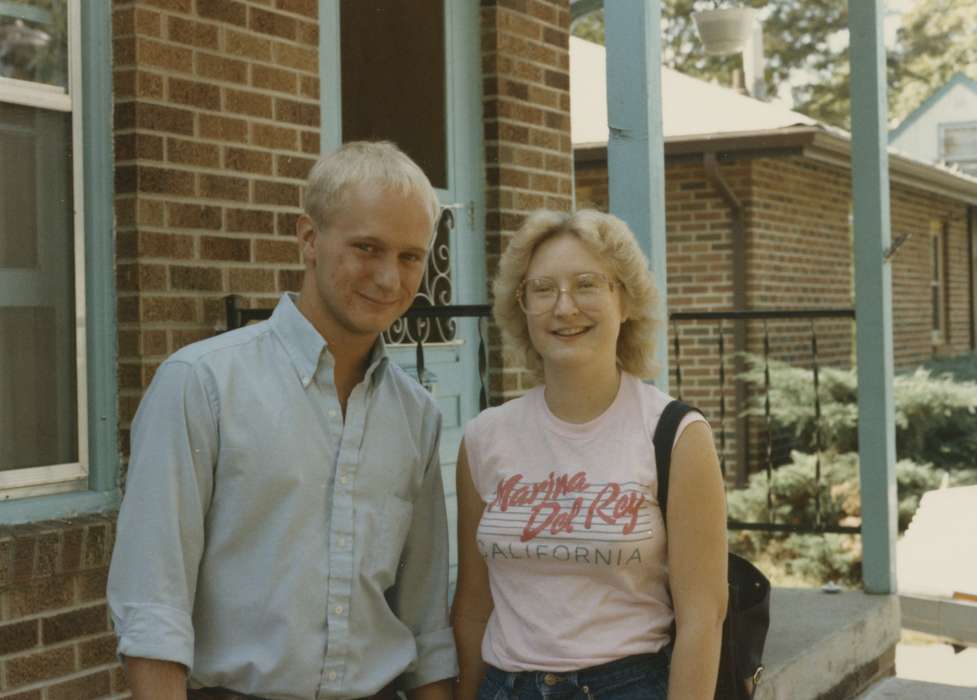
column 799, row 250
column 917, row 212
column 799, row 255
column 56, row 641
column 699, row 253
column 216, row 127
column 526, row 107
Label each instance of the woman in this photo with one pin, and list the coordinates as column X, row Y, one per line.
column 567, row 583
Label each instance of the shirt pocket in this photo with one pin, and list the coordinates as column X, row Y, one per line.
column 386, row 544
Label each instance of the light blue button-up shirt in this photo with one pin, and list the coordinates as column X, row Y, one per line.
column 271, row 547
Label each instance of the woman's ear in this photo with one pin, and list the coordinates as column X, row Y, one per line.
column 625, row 306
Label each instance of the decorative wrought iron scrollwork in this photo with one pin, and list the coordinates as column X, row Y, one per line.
column 435, row 290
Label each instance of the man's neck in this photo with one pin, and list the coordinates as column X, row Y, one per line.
column 351, row 352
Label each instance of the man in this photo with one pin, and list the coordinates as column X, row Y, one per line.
column 283, row 533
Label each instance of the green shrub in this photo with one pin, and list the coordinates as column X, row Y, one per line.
column 829, row 557
column 936, row 416
column 962, row 368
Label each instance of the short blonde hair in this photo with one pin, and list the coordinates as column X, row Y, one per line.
column 610, row 239
column 375, row 163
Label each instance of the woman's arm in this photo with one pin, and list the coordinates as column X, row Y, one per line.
column 696, row 563
column 473, row 598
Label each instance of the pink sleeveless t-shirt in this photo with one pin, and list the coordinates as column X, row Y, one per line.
column 572, row 532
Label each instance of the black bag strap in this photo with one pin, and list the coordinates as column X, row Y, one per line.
column 664, row 436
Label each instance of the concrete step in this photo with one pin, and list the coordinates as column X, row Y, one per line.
column 901, row 689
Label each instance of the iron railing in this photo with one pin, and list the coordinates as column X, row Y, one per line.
column 819, row 526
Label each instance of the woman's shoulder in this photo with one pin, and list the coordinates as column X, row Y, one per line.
column 503, row 416
column 651, row 402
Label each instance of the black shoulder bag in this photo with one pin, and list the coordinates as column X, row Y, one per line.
column 748, row 612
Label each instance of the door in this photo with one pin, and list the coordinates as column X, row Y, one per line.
column 409, row 72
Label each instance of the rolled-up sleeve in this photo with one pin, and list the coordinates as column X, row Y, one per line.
column 160, row 532
column 420, row 598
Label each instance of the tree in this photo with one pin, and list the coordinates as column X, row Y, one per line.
column 937, row 39
column 805, row 46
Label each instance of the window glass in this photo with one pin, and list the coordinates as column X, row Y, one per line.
column 393, row 78
column 34, row 41
column 960, row 141
column 38, row 361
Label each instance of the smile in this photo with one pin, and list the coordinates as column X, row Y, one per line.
column 571, row 332
column 379, row 302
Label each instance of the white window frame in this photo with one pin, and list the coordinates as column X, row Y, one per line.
column 73, row 476
column 967, row 163
column 938, row 280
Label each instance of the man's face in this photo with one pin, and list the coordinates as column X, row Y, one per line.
column 368, row 260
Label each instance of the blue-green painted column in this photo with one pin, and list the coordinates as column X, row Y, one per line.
column 102, row 352
column 331, row 89
column 873, row 296
column 635, row 148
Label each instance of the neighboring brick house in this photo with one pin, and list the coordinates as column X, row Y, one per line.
column 207, row 122
column 791, row 181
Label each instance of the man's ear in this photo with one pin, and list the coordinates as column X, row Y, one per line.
column 305, row 231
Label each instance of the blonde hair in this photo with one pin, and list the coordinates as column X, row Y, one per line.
column 610, row 239
column 375, row 163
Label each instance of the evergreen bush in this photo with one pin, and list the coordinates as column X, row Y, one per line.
column 936, row 416
column 828, row 557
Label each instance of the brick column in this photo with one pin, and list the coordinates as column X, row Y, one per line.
column 528, row 155
column 216, row 127
column 54, row 624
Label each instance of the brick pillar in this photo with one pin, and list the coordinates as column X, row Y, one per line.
column 528, row 155
column 216, row 127
column 54, row 624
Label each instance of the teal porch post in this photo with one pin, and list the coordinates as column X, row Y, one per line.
column 873, row 296
column 635, row 148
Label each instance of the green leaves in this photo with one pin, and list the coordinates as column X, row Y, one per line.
column 936, row 41
column 936, row 416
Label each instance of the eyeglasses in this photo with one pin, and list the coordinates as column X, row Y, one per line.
column 589, row 291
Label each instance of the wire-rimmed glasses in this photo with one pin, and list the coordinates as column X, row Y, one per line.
column 588, row 290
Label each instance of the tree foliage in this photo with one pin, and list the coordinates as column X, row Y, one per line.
column 937, row 39
column 806, row 47
column 936, row 415
column 800, row 37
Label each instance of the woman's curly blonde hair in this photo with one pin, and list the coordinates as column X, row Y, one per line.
column 610, row 239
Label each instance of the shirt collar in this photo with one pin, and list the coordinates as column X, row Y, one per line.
column 305, row 345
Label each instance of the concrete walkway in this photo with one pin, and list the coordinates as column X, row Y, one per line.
column 901, row 689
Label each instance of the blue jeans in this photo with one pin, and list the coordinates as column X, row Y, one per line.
column 641, row 677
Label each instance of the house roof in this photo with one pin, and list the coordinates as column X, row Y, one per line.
column 698, row 116
column 933, row 99
column 692, row 107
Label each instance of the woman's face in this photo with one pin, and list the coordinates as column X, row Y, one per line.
column 573, row 333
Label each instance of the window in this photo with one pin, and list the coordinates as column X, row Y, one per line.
column 55, row 221
column 938, row 300
column 958, row 145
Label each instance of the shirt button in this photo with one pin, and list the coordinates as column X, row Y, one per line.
column 339, row 609
column 332, row 413
column 343, row 479
column 341, row 543
column 331, row 675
